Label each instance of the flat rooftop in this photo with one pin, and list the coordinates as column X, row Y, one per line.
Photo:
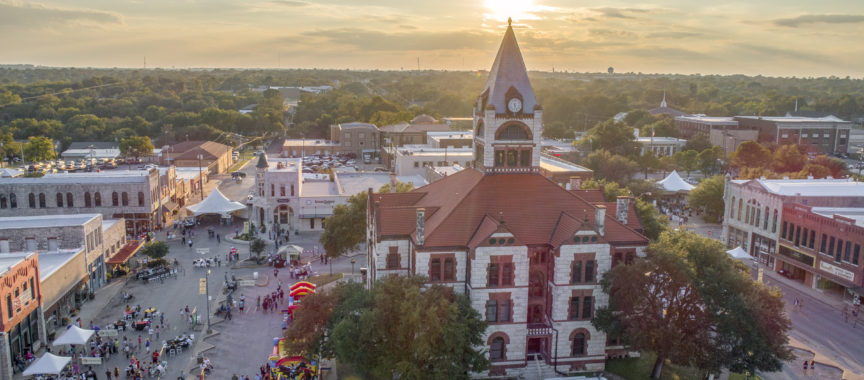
column 108, row 223
column 353, row 183
column 725, row 120
column 560, row 166
column 50, row 262
column 854, row 213
column 810, row 187
column 318, row 188
column 107, row 176
column 797, row 119
column 278, row 164
column 661, row 140
column 308, row 142
column 40, row 221
column 7, row 261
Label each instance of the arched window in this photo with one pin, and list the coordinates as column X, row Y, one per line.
column 740, row 206
column 13, row 200
column 114, row 199
column 97, row 199
column 87, row 201
column 579, row 340
column 2, row 200
column 774, row 222
column 59, row 199
column 758, row 217
column 732, row 213
column 70, row 200
column 496, row 349
column 32, row 200
column 765, row 224
column 125, row 199
column 140, row 198
column 42, row 200
column 513, row 132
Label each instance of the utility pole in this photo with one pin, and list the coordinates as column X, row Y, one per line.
column 207, row 294
column 200, row 177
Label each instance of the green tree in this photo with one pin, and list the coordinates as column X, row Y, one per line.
column 612, row 168
column 155, row 250
column 653, row 222
column 686, row 160
column 617, row 138
column 648, row 161
column 257, row 246
column 10, row 148
column 39, row 148
column 788, row 158
column 708, row 195
column 701, row 304
column 710, row 161
column 751, row 154
column 136, row 146
column 698, row 142
column 437, row 336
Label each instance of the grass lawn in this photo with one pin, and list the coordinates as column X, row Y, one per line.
column 237, row 166
column 323, row 279
column 640, row 369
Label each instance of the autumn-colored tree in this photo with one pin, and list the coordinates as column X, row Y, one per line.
column 788, row 158
column 751, row 154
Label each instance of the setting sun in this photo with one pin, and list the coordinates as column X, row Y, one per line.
column 500, row 10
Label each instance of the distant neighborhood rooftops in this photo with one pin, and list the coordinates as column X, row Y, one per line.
column 827, row 187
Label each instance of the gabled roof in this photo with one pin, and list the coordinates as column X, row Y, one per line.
column 530, row 206
column 673, row 183
column 508, row 72
column 593, row 196
column 189, row 150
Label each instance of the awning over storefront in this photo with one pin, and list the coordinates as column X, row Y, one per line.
column 123, row 255
column 169, row 206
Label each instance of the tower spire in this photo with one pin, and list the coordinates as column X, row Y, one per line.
column 509, row 21
column 663, row 102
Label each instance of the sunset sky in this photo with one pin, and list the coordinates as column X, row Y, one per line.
column 767, row 37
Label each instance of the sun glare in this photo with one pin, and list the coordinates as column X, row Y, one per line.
column 500, row 10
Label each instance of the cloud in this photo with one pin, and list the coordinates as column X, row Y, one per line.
column 752, row 50
column 14, row 15
column 289, row 3
column 814, row 19
column 363, row 39
column 619, row 12
column 611, row 34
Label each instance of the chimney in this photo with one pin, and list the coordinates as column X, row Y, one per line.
column 575, row 183
column 600, row 220
column 421, row 223
column 392, row 182
column 622, row 209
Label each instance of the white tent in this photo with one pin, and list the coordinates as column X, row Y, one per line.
column 48, row 364
column 74, row 335
column 216, row 203
column 674, row 184
column 739, row 254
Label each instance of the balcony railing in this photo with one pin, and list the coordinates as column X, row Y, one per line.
column 539, row 329
column 512, row 170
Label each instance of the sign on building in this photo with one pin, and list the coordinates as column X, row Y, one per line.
column 837, row 271
column 202, row 286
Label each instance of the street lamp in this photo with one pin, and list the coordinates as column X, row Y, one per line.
column 200, row 178
column 207, row 295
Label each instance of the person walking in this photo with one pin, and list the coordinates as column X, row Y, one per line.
column 218, row 239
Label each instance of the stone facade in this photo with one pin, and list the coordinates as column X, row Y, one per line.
column 131, row 195
column 19, row 322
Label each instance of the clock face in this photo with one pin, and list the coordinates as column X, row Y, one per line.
column 514, row 105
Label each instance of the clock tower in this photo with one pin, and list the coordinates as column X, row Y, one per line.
column 507, row 119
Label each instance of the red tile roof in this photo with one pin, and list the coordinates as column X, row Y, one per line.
column 632, row 217
column 593, row 196
column 530, row 205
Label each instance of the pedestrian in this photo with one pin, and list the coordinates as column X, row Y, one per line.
column 805, row 367
column 190, row 243
column 795, row 304
column 147, row 344
column 139, row 342
column 184, row 239
column 813, row 366
column 157, row 332
column 218, row 239
column 116, row 372
column 161, row 319
column 108, row 374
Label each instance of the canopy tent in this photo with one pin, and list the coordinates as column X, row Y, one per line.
column 74, row 335
column 215, row 203
column 739, row 254
column 290, row 250
column 48, row 364
column 674, row 184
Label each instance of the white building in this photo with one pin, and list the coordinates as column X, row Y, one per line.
column 294, row 201
column 754, row 208
column 527, row 251
column 661, row 146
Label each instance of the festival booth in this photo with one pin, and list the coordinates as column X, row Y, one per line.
column 287, row 254
column 673, row 184
column 215, row 204
column 74, row 335
column 48, row 364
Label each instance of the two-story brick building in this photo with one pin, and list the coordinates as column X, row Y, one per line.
column 20, row 317
column 528, row 252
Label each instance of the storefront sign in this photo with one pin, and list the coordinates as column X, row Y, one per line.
column 837, row 271
column 91, row 361
column 329, row 202
column 797, row 256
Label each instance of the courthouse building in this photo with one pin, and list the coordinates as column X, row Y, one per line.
column 528, row 252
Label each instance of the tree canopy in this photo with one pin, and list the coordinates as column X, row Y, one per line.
column 401, row 327
column 702, row 305
column 136, row 146
column 39, row 148
column 708, row 195
column 156, row 249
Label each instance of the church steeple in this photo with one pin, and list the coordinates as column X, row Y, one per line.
column 507, row 119
column 663, row 102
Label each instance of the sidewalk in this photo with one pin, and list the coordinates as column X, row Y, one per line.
column 827, row 298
